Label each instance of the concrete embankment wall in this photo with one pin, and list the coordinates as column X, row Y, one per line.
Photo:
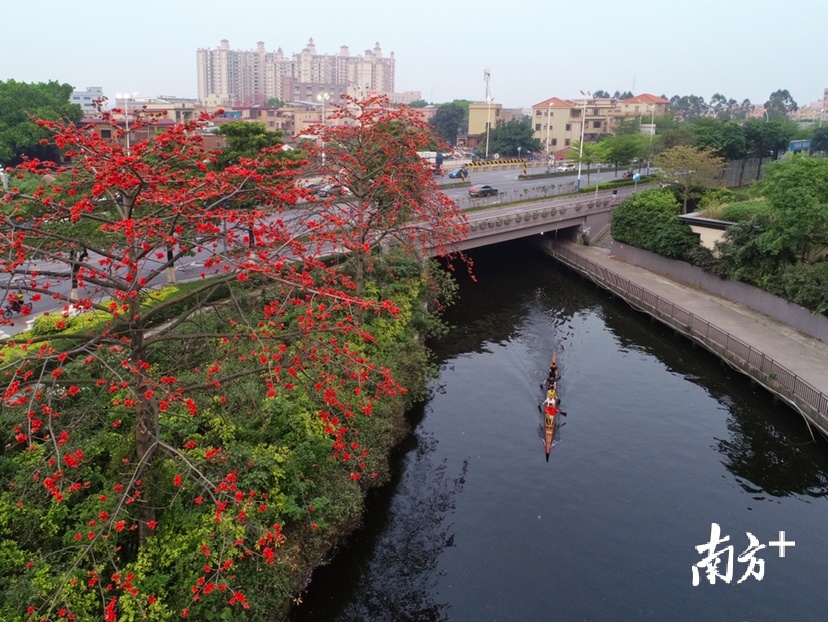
column 777, row 308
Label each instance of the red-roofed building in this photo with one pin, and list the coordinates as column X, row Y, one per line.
column 558, row 123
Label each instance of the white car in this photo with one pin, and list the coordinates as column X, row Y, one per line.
column 566, row 167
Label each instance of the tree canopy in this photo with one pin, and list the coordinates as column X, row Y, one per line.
column 20, row 105
column 160, row 446
column 450, row 120
column 779, row 104
column 648, row 220
column 797, row 189
column 690, row 169
column 393, row 198
column 508, row 137
column 275, row 102
column 247, row 139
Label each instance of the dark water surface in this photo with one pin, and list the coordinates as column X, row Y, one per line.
column 661, row 440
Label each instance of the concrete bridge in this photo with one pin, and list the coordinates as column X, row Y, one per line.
column 581, row 215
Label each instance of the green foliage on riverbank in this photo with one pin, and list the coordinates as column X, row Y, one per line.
column 278, row 445
column 648, row 220
column 778, row 241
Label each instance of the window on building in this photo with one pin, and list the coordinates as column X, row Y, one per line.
column 538, row 113
column 106, row 133
column 568, row 127
column 554, row 141
column 566, row 142
column 597, row 124
column 537, row 127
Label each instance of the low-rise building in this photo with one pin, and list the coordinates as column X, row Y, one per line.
column 558, row 123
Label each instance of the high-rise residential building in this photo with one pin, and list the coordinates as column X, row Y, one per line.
column 247, row 77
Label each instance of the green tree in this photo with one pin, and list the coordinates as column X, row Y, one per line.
column 673, row 132
column 418, row 103
column 742, row 256
column 690, row 169
column 592, row 153
column 246, row 139
column 507, row 137
column 449, row 121
column 20, row 104
column 726, row 138
column 797, row 190
column 779, row 104
column 723, row 107
column 804, row 284
column 819, row 140
column 689, row 106
column 623, row 149
column 275, row 102
column 766, row 138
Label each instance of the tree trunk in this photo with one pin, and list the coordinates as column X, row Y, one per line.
column 146, row 411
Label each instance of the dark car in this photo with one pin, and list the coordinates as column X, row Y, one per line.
column 627, row 174
column 456, row 173
column 482, row 191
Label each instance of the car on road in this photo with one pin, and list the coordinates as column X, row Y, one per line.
column 456, row 173
column 566, row 167
column 627, row 174
column 482, row 191
column 329, row 190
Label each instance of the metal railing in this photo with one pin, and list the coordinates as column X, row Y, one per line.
column 761, row 367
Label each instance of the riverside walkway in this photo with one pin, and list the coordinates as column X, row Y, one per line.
column 788, row 363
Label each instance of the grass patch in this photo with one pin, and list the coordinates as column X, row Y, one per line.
column 741, row 211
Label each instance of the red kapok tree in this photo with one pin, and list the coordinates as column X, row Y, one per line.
column 121, row 406
column 382, row 193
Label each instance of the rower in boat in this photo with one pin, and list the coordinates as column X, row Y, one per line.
column 549, row 416
column 552, row 376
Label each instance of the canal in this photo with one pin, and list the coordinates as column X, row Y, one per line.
column 660, row 442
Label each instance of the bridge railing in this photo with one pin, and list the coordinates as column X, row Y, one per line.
column 716, row 339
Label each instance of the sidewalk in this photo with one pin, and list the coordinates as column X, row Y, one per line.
column 804, row 356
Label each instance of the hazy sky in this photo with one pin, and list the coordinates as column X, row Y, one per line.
column 533, row 49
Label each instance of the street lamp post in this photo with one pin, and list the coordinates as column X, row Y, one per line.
column 323, row 97
column 4, row 178
column 586, row 94
column 548, row 128
column 488, row 122
column 126, row 97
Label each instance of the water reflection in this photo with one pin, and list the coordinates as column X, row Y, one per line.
column 770, row 450
column 661, row 440
column 399, row 582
